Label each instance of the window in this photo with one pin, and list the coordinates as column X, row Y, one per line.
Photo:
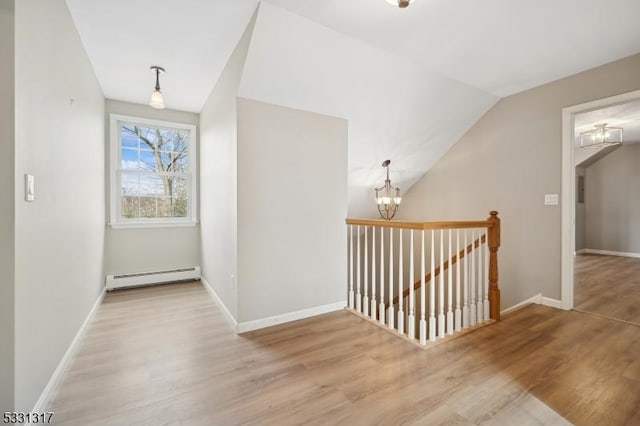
column 153, row 173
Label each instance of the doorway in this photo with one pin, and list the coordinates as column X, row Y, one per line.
column 601, row 234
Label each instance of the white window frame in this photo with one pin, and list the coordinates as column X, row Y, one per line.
column 115, row 164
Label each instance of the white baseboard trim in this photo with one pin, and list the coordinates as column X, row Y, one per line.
column 538, row 299
column 230, row 319
column 42, row 402
column 243, row 327
column 611, row 253
column 533, row 299
column 548, row 301
column 581, row 251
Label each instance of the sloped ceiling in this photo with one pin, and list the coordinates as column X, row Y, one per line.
column 396, row 110
column 410, row 81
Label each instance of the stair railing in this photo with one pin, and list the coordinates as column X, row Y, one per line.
column 458, row 291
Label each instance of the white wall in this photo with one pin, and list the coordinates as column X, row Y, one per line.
column 507, row 162
column 7, row 204
column 59, row 237
column 141, row 250
column 218, row 180
column 612, row 204
column 292, row 202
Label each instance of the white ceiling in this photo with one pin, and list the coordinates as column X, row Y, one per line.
column 411, row 82
column 191, row 39
column 500, row 46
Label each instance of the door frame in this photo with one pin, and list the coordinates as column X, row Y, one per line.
column 569, row 185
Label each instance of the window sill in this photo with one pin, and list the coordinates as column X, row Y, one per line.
column 144, row 225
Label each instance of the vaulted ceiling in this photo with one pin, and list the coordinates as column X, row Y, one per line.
column 410, row 81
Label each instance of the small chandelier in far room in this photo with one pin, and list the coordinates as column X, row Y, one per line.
column 601, row 136
column 157, row 98
column 400, row 3
column 387, row 197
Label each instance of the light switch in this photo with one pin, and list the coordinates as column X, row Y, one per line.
column 551, row 199
column 29, row 188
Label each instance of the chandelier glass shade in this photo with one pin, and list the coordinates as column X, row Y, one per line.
column 387, row 197
column 601, row 136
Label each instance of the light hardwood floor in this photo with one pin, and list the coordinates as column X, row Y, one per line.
column 165, row 356
column 608, row 285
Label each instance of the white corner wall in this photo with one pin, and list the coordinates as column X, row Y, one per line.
column 218, row 179
column 292, row 202
column 59, row 237
column 133, row 250
column 508, row 160
column 7, row 205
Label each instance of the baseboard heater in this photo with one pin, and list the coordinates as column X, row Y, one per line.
column 156, row 277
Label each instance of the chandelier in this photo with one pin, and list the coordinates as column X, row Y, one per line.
column 387, row 197
column 601, row 136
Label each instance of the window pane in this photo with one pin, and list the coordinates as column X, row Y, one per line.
column 180, row 207
column 148, row 161
column 129, row 184
column 165, row 207
column 129, row 140
column 148, row 207
column 130, row 207
column 152, row 186
column 129, row 159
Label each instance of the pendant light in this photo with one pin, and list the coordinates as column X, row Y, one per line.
column 400, row 3
column 157, row 98
column 387, row 196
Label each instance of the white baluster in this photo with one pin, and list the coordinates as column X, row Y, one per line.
column 432, row 291
column 473, row 312
column 480, row 281
column 373, row 275
column 465, row 306
column 391, row 310
column 450, row 290
column 365, row 299
column 441, row 318
column 411, row 318
column 423, row 323
column 382, row 308
column 358, row 294
column 400, row 285
column 485, row 279
column 458, row 312
column 351, row 269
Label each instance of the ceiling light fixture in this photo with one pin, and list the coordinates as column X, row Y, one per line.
column 400, row 3
column 387, row 197
column 157, row 98
column 601, row 136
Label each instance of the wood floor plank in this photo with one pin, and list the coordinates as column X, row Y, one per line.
column 608, row 286
column 166, row 356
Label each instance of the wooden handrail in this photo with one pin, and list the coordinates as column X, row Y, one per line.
column 454, row 259
column 422, row 225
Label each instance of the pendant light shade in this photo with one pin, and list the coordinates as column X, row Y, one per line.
column 157, row 98
column 400, row 3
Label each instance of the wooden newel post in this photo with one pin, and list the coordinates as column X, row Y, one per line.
column 494, row 245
